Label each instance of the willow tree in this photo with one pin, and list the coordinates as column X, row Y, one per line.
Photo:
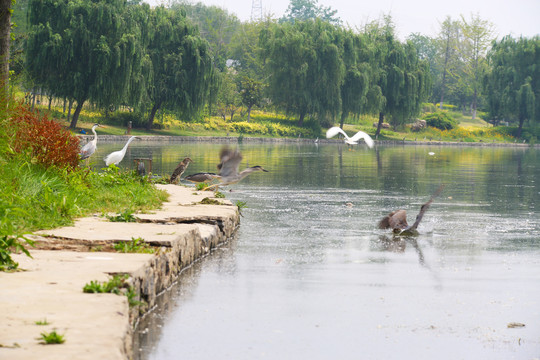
column 513, row 85
column 182, row 68
column 403, row 79
column 304, row 67
column 358, row 91
column 82, row 50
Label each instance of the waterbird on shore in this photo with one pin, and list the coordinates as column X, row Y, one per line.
column 202, row 177
column 397, row 220
column 90, row 148
column 333, row 131
column 228, row 168
column 117, row 156
column 180, row 168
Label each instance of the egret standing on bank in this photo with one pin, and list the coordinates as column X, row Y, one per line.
column 89, row 148
column 228, row 168
column 117, row 156
column 333, row 131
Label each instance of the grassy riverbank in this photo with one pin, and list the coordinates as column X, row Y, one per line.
column 42, row 187
column 267, row 124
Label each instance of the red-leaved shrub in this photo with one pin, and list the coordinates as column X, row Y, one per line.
column 46, row 141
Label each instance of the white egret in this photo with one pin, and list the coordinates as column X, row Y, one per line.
column 117, row 156
column 333, row 131
column 397, row 220
column 90, row 147
column 182, row 166
column 228, row 168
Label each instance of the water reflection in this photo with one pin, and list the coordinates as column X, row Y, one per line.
column 310, row 277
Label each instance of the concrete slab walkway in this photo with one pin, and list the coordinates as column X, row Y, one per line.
column 99, row 326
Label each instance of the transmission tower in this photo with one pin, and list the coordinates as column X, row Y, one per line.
column 256, row 10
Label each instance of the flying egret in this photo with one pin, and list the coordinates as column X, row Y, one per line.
column 333, row 131
column 182, row 166
column 228, row 168
column 397, row 220
column 90, row 147
column 202, row 177
column 117, row 156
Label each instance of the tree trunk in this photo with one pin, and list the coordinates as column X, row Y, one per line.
column 521, row 121
column 446, row 56
column 5, row 30
column 343, row 117
column 249, row 113
column 152, row 115
column 301, row 120
column 69, row 110
column 379, row 124
column 473, row 106
column 76, row 114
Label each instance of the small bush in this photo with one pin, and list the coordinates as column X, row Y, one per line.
column 44, row 140
column 440, row 120
column 52, row 338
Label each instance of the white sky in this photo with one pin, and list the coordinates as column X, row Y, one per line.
column 515, row 17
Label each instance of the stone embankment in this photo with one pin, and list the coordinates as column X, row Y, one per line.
column 99, row 326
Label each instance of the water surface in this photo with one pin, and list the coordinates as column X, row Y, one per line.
column 309, row 275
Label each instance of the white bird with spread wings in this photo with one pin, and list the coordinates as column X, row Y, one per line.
column 333, row 131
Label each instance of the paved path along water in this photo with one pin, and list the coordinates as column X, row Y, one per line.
column 99, row 326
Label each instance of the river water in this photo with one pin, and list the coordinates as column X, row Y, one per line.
column 309, row 275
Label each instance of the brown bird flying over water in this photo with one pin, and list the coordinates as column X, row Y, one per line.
column 228, row 168
column 397, row 220
column 175, row 177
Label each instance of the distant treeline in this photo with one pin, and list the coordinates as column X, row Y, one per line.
column 196, row 60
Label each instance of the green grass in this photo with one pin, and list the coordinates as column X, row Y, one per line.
column 124, row 216
column 52, row 338
column 48, row 198
column 268, row 125
column 136, row 245
column 117, row 285
column 42, row 322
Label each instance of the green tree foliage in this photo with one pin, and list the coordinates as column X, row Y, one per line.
column 82, row 50
column 427, row 50
column 5, row 35
column 359, row 92
column 403, row 79
column 477, row 36
column 182, row 68
column 245, row 52
column 228, row 99
column 513, row 85
column 251, row 93
column 441, row 120
column 302, row 10
column 447, row 59
column 215, row 25
column 305, row 67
